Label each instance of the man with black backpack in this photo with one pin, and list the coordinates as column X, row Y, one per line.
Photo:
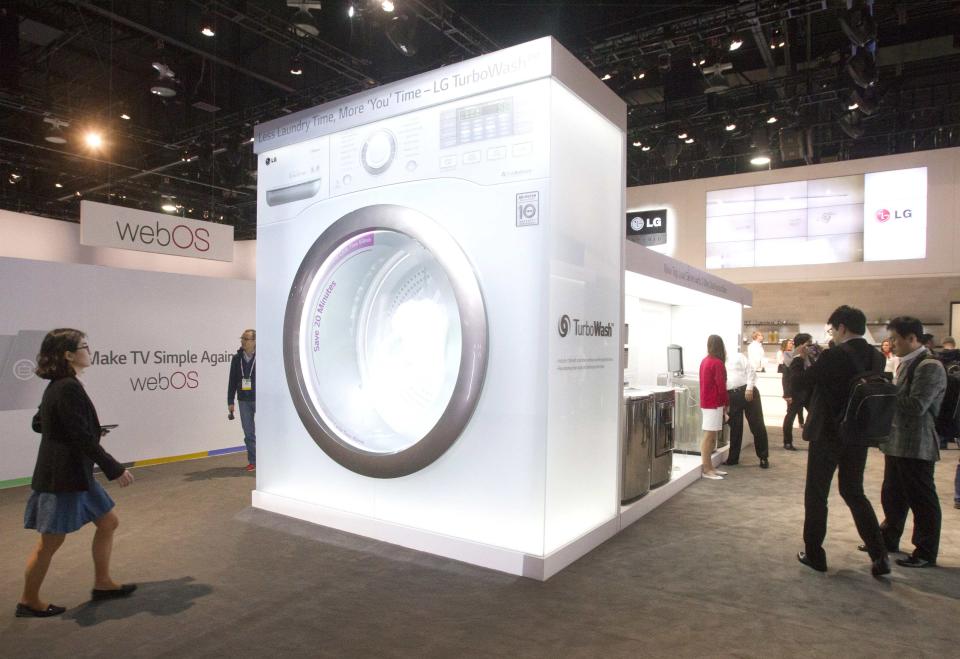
column 834, row 445
column 911, row 450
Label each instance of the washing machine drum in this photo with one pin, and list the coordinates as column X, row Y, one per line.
column 385, row 341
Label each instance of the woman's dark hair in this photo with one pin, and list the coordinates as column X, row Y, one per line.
column 52, row 361
column 715, row 347
column 907, row 325
column 800, row 339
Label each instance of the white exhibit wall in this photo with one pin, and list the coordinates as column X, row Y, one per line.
column 162, row 306
column 161, row 345
column 686, row 205
column 30, row 237
column 584, row 382
column 660, row 313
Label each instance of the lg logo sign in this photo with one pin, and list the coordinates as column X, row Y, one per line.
column 883, row 215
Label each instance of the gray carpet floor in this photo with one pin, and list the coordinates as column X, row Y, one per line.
column 711, row 573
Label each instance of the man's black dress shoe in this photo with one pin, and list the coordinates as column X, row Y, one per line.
column 881, row 566
column 24, row 611
column 764, row 463
column 915, row 561
column 890, row 550
column 123, row 591
column 789, row 447
column 803, row 558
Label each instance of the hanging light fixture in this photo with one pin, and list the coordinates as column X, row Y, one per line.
column 55, row 134
column 296, row 65
column 401, row 32
column 735, row 42
column 207, row 27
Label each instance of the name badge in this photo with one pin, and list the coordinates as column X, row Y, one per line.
column 246, row 384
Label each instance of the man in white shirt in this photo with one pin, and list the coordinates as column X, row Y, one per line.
column 755, row 353
column 745, row 401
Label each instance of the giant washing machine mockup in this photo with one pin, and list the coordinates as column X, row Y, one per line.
column 438, row 296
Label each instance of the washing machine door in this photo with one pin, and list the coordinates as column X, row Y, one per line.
column 385, row 341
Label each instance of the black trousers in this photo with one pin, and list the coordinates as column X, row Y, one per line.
column 826, row 455
column 753, row 410
column 908, row 485
column 794, row 410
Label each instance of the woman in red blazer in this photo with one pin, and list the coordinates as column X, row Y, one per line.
column 713, row 401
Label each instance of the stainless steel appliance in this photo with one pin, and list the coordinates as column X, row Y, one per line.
column 688, row 418
column 661, row 463
column 637, row 449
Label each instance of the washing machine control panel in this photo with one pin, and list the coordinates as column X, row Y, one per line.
column 378, row 151
column 291, row 178
column 490, row 139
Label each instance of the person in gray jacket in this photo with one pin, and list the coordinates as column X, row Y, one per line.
column 911, row 450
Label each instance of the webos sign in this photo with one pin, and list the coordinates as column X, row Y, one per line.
column 104, row 225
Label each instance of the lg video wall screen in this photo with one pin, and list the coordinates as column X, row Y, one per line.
column 866, row 217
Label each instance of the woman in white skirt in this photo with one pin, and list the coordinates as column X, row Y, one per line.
column 713, row 402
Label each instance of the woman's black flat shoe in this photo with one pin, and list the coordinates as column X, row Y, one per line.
column 24, row 611
column 123, row 591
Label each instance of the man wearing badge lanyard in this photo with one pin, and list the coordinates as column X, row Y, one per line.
column 243, row 386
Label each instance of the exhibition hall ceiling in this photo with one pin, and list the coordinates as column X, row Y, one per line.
column 152, row 104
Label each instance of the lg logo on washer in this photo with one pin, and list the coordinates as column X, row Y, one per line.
column 584, row 328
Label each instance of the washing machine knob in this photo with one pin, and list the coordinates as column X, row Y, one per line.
column 378, row 152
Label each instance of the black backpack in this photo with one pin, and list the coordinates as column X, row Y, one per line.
column 948, row 420
column 868, row 416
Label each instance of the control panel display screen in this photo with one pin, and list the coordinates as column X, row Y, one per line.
column 476, row 123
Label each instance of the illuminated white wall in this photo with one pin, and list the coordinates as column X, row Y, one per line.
column 688, row 199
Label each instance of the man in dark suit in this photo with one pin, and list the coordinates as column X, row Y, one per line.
column 827, row 383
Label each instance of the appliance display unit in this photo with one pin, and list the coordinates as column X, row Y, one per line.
column 638, row 429
column 428, row 287
column 661, row 462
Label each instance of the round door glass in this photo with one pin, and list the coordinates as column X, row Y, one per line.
column 380, row 341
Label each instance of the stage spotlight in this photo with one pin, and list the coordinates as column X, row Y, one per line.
column 760, row 159
column 859, row 26
column 735, row 42
column 862, row 67
column 851, row 125
column 401, row 32
column 296, row 65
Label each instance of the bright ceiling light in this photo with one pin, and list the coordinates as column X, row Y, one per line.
column 638, row 144
column 730, row 126
column 296, row 66
column 772, row 119
column 606, row 76
column 351, row 11
column 760, row 159
column 207, row 27
column 58, row 184
column 125, row 116
column 735, row 42
column 14, row 178
column 387, row 6
column 689, row 140
column 645, row 147
column 93, row 139
column 853, row 106
column 682, row 136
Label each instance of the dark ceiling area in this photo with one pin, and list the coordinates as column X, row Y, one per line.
column 174, row 107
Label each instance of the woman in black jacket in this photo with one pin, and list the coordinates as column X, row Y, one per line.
column 65, row 494
column 795, row 400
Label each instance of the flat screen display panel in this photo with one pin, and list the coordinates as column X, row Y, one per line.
column 880, row 216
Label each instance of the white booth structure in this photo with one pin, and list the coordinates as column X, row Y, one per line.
column 438, row 306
